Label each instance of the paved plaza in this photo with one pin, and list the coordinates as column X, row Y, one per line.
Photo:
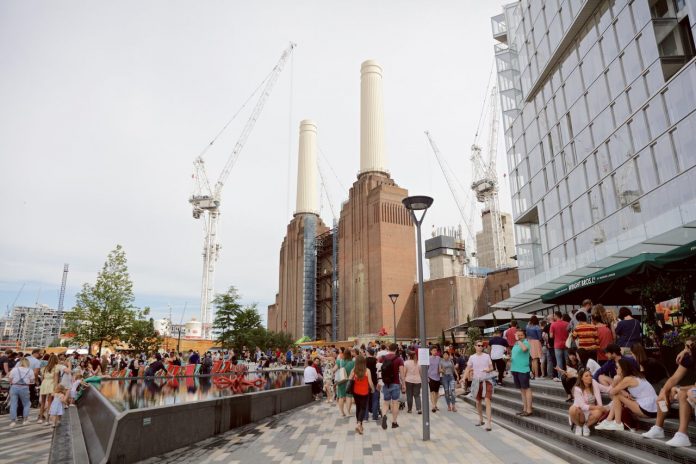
column 317, row 434
column 25, row 444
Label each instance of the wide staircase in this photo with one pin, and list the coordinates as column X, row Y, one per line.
column 548, row 427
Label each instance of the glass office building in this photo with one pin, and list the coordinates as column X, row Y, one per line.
column 599, row 113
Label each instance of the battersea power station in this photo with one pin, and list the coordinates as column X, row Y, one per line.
column 334, row 282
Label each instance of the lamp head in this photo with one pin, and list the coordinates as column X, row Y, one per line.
column 393, row 297
column 417, row 203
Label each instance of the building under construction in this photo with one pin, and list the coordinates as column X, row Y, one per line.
column 334, row 284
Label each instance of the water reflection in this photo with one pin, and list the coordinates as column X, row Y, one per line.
column 146, row 393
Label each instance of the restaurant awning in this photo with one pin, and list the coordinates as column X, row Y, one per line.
column 618, row 284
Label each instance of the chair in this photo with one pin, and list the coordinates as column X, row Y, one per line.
column 170, row 368
column 190, row 370
column 175, row 371
column 216, row 367
column 198, row 369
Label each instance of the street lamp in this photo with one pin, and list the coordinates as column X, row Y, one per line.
column 413, row 204
column 393, row 297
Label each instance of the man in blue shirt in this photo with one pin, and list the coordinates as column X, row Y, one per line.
column 605, row 374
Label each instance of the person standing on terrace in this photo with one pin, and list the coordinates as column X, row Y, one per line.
column 559, row 333
column 534, row 335
column 586, row 335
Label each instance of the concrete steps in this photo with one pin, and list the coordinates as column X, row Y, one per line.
column 550, row 429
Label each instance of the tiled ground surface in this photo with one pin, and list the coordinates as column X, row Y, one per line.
column 25, row 444
column 317, row 434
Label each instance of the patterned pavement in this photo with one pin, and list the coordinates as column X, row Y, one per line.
column 317, row 434
column 25, row 444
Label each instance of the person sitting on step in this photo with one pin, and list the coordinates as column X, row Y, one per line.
column 587, row 407
column 685, row 376
column 631, row 391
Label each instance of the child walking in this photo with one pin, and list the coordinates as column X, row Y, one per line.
column 56, row 410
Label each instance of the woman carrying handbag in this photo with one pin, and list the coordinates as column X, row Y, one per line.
column 360, row 385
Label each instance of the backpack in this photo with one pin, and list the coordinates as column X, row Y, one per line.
column 388, row 371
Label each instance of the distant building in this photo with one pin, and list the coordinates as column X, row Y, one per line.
column 32, row 326
column 484, row 241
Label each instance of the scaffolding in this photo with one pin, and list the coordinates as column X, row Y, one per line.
column 326, row 285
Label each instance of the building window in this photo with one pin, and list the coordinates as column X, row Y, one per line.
column 675, row 42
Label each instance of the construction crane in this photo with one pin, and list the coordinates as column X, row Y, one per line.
column 206, row 200
column 485, row 183
column 465, row 207
column 61, row 297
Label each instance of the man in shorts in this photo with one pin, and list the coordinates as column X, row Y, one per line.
column 520, row 371
column 393, row 375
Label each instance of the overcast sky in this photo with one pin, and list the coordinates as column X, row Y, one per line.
column 105, row 105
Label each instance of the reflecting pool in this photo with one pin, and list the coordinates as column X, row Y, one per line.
column 126, row 394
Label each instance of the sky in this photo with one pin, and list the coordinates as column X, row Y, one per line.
column 105, row 105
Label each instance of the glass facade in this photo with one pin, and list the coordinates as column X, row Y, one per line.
column 599, row 113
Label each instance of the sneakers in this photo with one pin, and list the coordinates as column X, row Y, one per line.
column 679, row 440
column 384, row 422
column 578, row 431
column 585, row 431
column 13, row 423
column 395, row 425
column 654, row 432
column 556, row 379
column 39, row 421
column 609, row 426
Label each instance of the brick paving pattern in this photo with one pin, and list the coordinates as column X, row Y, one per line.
column 25, row 444
column 317, row 434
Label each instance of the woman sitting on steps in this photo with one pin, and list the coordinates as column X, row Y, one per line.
column 587, row 407
column 632, row 392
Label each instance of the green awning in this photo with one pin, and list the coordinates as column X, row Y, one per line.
column 608, row 286
column 682, row 256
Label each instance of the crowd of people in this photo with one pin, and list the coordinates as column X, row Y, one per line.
column 598, row 356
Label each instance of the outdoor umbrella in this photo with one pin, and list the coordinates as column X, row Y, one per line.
column 488, row 319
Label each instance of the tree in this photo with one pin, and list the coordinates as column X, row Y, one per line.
column 227, row 308
column 248, row 330
column 141, row 335
column 104, row 311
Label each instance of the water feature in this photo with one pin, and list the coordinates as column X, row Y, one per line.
column 128, row 394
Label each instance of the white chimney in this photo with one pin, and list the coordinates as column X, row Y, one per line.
column 307, row 188
column 372, row 155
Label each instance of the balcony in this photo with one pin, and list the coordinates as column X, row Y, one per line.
column 499, row 28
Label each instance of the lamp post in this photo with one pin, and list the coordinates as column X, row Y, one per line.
column 393, row 297
column 414, row 204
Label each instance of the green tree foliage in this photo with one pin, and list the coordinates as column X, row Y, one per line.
column 227, row 308
column 141, row 335
column 240, row 326
column 104, row 311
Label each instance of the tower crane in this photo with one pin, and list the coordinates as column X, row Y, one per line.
column 206, row 200
column 465, row 207
column 485, row 183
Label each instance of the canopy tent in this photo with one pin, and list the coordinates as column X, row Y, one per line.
column 500, row 316
column 620, row 283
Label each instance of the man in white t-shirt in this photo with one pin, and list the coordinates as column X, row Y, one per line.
column 481, row 365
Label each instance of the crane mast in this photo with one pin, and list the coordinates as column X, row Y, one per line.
column 485, row 184
column 206, row 200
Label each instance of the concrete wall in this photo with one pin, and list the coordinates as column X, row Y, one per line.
column 138, row 434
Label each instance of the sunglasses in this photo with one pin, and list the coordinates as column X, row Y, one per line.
column 479, row 346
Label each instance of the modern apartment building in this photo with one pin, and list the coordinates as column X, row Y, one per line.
column 598, row 100
column 32, row 326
